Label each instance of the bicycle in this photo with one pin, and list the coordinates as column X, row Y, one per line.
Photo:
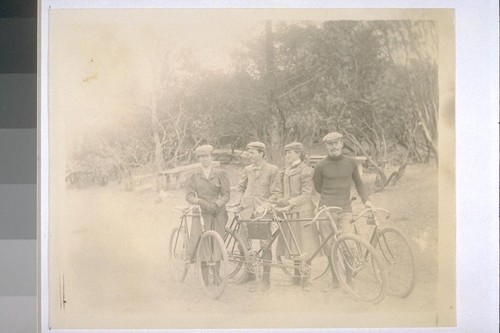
column 368, row 276
column 239, row 255
column 358, row 266
column 209, row 250
column 395, row 250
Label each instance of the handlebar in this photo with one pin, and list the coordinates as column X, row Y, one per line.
column 372, row 211
column 321, row 211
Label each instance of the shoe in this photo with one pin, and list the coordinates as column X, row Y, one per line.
column 249, row 277
column 293, row 281
column 333, row 285
column 264, row 285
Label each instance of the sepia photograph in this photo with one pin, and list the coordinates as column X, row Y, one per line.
column 251, row 168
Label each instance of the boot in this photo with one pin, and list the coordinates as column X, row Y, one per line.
column 265, row 283
column 335, row 281
column 296, row 279
column 250, row 277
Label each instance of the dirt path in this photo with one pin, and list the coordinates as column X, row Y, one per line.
column 114, row 260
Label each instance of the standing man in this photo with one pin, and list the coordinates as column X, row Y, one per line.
column 208, row 188
column 258, row 186
column 333, row 178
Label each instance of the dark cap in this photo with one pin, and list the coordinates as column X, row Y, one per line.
column 332, row 136
column 203, row 150
column 256, row 145
column 294, row 146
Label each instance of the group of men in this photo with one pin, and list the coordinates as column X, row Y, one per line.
column 263, row 185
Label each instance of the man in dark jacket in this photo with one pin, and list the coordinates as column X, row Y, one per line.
column 333, row 178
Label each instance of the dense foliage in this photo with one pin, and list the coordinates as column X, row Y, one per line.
column 374, row 81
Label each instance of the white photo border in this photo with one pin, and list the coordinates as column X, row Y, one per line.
column 477, row 96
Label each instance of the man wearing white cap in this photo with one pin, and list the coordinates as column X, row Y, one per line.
column 258, row 185
column 208, row 188
column 333, row 178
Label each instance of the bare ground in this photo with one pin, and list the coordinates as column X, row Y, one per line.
column 113, row 255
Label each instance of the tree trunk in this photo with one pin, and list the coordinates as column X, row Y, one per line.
column 158, row 152
column 274, row 139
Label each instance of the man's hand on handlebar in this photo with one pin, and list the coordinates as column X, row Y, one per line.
column 282, row 203
column 232, row 204
column 260, row 210
column 284, row 209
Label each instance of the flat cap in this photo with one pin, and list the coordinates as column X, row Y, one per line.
column 332, row 136
column 294, row 146
column 203, row 150
column 256, row 145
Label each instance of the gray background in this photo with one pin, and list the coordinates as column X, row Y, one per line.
column 18, row 54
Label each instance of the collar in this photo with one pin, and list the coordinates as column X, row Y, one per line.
column 206, row 171
column 258, row 167
column 295, row 163
column 335, row 158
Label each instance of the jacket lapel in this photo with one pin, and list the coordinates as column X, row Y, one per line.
column 260, row 172
column 296, row 170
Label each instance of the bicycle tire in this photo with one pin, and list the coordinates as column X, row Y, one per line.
column 368, row 276
column 211, row 248
column 319, row 267
column 399, row 259
column 238, row 258
column 178, row 255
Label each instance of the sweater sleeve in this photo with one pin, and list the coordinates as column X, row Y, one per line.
column 318, row 177
column 224, row 190
column 360, row 186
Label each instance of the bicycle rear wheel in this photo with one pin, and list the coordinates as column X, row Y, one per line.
column 359, row 268
column 178, row 254
column 397, row 254
column 212, row 264
column 238, row 259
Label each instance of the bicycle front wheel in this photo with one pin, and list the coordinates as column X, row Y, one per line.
column 212, row 264
column 397, row 254
column 238, row 259
column 178, row 254
column 359, row 268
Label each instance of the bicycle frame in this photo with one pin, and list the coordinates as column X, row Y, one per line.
column 334, row 233
column 370, row 214
column 281, row 221
column 188, row 212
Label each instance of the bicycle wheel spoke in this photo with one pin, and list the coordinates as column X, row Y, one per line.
column 212, row 261
column 238, row 258
column 178, row 255
column 399, row 259
column 359, row 268
column 319, row 268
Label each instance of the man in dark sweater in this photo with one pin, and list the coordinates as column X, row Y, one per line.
column 333, row 178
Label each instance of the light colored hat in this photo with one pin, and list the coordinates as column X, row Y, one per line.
column 294, row 146
column 332, row 136
column 203, row 150
column 256, row 145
